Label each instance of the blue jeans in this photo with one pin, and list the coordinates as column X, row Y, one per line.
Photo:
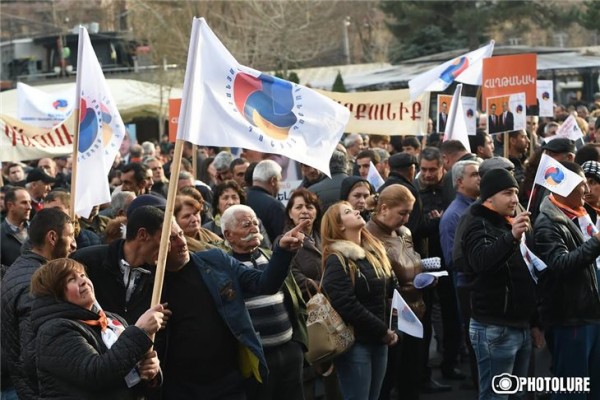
column 499, row 349
column 361, row 371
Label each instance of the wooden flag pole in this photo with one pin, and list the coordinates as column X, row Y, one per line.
column 74, row 162
column 167, row 222
column 195, row 161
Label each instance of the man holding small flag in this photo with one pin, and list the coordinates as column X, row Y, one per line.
column 503, row 299
column 569, row 243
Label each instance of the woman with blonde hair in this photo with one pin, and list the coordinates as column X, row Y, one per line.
column 392, row 208
column 81, row 352
column 357, row 278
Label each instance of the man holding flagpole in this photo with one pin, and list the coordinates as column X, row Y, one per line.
column 569, row 243
column 503, row 293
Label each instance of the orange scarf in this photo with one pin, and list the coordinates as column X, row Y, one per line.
column 102, row 322
column 569, row 212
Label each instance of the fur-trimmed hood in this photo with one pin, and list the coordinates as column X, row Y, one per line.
column 349, row 249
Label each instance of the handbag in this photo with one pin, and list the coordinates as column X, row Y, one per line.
column 328, row 334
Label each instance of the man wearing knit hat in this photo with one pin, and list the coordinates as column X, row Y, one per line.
column 503, row 293
column 569, row 243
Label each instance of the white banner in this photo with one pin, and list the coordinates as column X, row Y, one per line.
column 42, row 109
column 469, row 106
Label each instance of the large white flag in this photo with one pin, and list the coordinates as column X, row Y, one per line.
column 456, row 127
column 466, row 69
column 101, row 130
column 407, row 320
column 555, row 177
column 227, row 104
column 42, row 109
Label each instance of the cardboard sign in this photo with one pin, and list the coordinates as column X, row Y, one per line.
column 506, row 75
column 506, row 113
column 545, row 96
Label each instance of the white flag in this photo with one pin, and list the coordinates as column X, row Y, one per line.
column 466, row 69
column 555, row 177
column 456, row 127
column 407, row 320
column 569, row 129
column 42, row 109
column 101, row 130
column 374, row 178
column 227, row 104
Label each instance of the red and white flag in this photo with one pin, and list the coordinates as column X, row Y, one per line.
column 101, row 130
column 227, row 104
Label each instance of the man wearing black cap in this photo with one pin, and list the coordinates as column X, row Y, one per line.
column 569, row 243
column 503, row 292
column 123, row 271
column 38, row 186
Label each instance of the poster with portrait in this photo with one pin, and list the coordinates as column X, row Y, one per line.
column 506, row 113
column 545, row 96
column 444, row 102
column 469, row 105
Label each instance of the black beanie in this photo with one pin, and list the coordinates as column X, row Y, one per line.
column 494, row 181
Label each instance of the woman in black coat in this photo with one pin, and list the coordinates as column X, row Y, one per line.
column 82, row 352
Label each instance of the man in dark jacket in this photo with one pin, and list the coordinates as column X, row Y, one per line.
column 123, row 271
column 568, row 243
column 503, row 294
column 13, row 230
column 261, row 197
column 52, row 236
column 210, row 346
column 280, row 318
column 452, row 152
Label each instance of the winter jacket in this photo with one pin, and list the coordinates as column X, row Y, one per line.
column 361, row 300
column 102, row 266
column 72, row 360
column 306, row 265
column 405, row 261
column 569, row 286
column 16, row 327
column 270, row 210
column 10, row 245
column 328, row 190
column 503, row 291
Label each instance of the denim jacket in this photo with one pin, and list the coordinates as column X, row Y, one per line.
column 228, row 282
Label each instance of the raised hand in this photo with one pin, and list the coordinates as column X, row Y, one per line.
column 294, row 238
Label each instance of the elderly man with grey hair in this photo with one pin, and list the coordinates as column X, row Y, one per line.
column 354, row 143
column 119, row 202
column 261, row 197
column 466, row 179
column 328, row 190
column 279, row 317
column 222, row 164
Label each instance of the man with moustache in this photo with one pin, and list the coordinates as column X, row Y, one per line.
column 210, row 346
column 280, row 317
column 51, row 234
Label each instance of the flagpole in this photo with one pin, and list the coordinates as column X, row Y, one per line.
column 76, row 111
column 167, row 223
column 530, row 197
column 195, row 161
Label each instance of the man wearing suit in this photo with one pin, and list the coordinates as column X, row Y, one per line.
column 507, row 120
column 493, row 122
column 443, row 117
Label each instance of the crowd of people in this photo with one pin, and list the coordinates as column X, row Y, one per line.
column 76, row 314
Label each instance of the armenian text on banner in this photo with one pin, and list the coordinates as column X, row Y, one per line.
column 21, row 142
column 386, row 112
column 506, row 75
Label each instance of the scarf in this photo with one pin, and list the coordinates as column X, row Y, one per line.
column 587, row 227
column 110, row 328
